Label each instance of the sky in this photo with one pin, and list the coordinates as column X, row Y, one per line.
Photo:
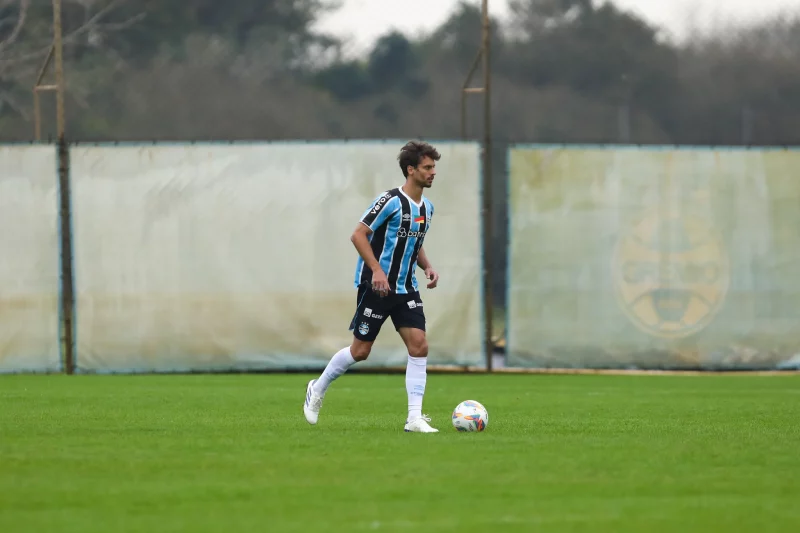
column 362, row 21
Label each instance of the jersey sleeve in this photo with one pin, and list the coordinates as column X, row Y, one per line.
column 379, row 212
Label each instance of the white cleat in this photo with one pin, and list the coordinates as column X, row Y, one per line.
column 419, row 425
column 312, row 404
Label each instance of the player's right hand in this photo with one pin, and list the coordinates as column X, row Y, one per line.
column 380, row 283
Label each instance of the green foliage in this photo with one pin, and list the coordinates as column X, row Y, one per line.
column 347, row 81
column 392, row 63
column 562, row 72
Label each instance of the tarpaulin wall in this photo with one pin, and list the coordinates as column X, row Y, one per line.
column 29, row 260
column 237, row 257
column 653, row 258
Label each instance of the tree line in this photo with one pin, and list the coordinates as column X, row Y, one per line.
column 563, row 71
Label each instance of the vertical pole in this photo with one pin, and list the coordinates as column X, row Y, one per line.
column 58, row 51
column 67, row 285
column 488, row 264
column 67, row 276
column 486, row 209
column 465, row 90
column 37, row 109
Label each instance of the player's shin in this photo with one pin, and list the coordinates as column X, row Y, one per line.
column 337, row 366
column 416, row 376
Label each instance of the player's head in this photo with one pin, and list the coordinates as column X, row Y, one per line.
column 418, row 162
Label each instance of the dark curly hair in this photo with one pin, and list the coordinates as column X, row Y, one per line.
column 412, row 153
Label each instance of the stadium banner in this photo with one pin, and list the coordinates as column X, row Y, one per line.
column 215, row 257
column 653, row 258
column 29, row 259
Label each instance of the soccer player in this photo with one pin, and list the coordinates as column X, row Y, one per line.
column 389, row 240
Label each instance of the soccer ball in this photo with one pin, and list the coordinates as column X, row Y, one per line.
column 470, row 415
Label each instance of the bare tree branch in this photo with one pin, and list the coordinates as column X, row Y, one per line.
column 22, row 49
column 125, row 24
column 93, row 23
column 21, row 16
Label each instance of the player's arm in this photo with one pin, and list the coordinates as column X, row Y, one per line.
column 371, row 220
column 360, row 239
column 425, row 264
column 422, row 259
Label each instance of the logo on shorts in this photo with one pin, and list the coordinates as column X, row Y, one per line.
column 370, row 314
column 363, row 328
column 413, row 305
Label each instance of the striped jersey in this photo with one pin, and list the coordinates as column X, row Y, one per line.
column 398, row 227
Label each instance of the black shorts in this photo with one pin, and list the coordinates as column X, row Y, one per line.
column 372, row 311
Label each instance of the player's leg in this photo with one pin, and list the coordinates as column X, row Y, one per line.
column 365, row 325
column 358, row 351
column 416, row 378
column 409, row 319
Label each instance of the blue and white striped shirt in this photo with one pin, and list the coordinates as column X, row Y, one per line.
column 398, row 227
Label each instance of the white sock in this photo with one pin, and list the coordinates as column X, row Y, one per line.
column 337, row 366
column 416, row 374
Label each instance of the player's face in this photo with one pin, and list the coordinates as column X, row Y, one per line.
column 424, row 173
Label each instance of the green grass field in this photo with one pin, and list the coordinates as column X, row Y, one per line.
column 561, row 453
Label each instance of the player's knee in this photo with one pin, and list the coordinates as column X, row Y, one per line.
column 418, row 347
column 360, row 350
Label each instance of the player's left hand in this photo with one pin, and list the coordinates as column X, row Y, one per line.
column 433, row 276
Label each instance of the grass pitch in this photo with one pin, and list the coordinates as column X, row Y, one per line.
column 561, row 453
